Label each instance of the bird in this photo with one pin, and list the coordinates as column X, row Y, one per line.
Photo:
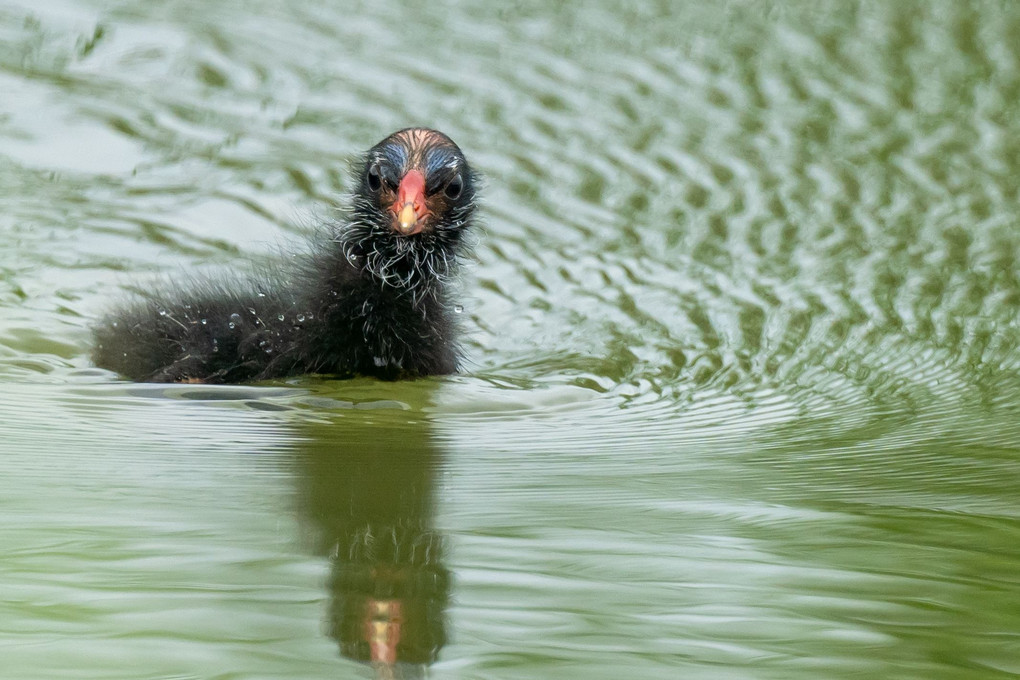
column 370, row 297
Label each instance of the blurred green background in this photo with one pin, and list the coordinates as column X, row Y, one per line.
column 743, row 389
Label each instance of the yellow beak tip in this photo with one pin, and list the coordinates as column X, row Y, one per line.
column 407, row 218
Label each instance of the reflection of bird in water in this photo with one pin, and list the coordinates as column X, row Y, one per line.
column 371, row 299
column 369, row 495
column 388, row 598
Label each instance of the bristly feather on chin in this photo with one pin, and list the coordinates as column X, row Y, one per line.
column 371, row 298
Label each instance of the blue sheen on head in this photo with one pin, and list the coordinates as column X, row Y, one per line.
column 439, row 158
column 395, row 154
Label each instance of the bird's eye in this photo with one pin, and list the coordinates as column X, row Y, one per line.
column 454, row 187
column 374, row 178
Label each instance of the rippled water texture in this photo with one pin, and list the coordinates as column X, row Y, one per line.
column 743, row 398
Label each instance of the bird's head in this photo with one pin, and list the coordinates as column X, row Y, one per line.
column 414, row 200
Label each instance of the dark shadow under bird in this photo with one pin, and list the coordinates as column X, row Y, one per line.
column 371, row 299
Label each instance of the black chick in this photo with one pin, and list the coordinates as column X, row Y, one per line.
column 372, row 300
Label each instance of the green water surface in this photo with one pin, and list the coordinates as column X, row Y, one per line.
column 742, row 397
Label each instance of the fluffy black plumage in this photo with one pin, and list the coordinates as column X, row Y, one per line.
column 371, row 300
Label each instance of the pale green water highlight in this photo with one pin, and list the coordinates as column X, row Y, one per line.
column 743, row 396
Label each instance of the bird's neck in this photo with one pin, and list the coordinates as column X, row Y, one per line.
column 399, row 322
column 413, row 272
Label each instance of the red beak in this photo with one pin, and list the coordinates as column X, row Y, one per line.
column 410, row 207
